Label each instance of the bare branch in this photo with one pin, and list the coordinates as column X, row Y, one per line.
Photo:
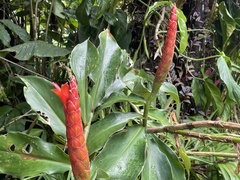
column 192, row 125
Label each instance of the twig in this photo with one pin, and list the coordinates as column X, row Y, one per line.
column 192, row 125
column 4, row 59
column 202, row 136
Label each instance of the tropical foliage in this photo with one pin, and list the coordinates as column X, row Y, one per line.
column 189, row 130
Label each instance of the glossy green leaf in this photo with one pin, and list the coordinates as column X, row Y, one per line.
column 177, row 169
column 225, row 74
column 170, row 89
column 110, row 59
column 4, row 36
column 227, row 23
column 183, row 31
column 157, row 164
column 159, row 115
column 198, row 93
column 214, row 95
column 140, row 89
column 102, row 130
column 83, row 12
column 22, row 33
column 58, row 9
column 121, row 97
column 23, row 156
column 39, row 96
column 103, row 6
column 123, row 156
column 227, row 110
column 84, row 58
column 36, row 48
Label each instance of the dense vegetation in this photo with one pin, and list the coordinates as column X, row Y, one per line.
column 188, row 131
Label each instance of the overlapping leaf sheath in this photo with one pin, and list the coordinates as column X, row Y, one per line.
column 167, row 53
column 68, row 93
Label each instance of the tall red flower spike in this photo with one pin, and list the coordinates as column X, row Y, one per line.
column 78, row 153
column 167, row 53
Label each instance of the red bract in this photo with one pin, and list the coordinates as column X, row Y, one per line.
column 78, row 153
column 167, row 53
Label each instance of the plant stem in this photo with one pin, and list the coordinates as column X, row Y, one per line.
column 145, row 113
column 48, row 20
column 192, row 125
column 221, row 154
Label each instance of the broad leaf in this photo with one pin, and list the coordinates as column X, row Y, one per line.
column 4, row 36
column 198, row 95
column 103, row 6
column 157, row 165
column 159, row 115
column 58, row 9
column 36, row 48
column 227, row 23
column 170, row 89
column 110, row 59
column 39, row 96
column 177, row 169
column 23, row 156
column 83, row 12
column 102, row 130
column 225, row 74
column 121, row 97
column 22, row 33
column 214, row 95
column 123, row 155
column 84, row 58
column 183, row 31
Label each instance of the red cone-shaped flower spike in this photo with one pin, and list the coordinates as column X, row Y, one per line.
column 77, row 148
column 167, row 53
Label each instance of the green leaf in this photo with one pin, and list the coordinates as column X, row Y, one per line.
column 4, row 36
column 36, row 48
column 170, row 89
column 186, row 160
column 102, row 130
column 24, row 156
column 39, row 96
column 83, row 12
column 214, row 95
column 58, row 9
column 225, row 74
column 107, row 71
column 16, row 29
column 123, row 155
column 157, row 164
column 228, row 170
column 152, row 9
column 103, row 6
column 84, row 58
column 177, row 169
column 159, row 115
column 183, row 31
column 121, row 97
column 198, row 93
column 227, row 110
column 227, row 23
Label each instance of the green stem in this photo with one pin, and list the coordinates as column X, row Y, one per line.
column 200, row 59
column 48, row 20
column 145, row 114
column 204, row 154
